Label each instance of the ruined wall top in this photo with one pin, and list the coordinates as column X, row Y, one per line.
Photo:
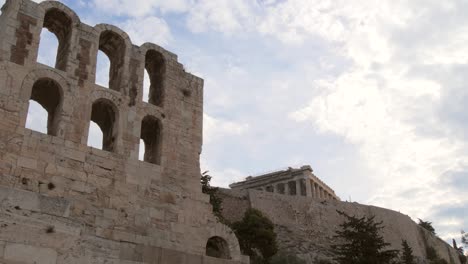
column 100, row 204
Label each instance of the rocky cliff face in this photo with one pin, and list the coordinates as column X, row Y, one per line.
column 306, row 227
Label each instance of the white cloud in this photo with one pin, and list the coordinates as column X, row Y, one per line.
column 221, row 15
column 378, row 104
column 139, row 8
column 201, row 15
column 147, row 29
column 216, row 129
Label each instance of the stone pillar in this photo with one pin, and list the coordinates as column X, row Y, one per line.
column 320, row 193
column 314, row 193
column 286, row 188
column 308, row 187
column 298, row 187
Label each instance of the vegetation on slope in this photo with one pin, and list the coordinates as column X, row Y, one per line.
column 361, row 243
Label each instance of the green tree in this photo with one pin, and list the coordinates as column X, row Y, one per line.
column 215, row 200
column 461, row 253
column 464, row 238
column 433, row 257
column 256, row 236
column 407, row 253
column 427, row 225
column 361, row 242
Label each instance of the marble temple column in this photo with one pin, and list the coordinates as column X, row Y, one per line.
column 314, row 193
column 308, row 187
column 298, row 187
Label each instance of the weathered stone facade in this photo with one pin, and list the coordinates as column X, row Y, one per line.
column 296, row 182
column 306, row 226
column 64, row 202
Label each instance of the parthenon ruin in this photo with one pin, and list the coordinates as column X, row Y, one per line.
column 300, row 182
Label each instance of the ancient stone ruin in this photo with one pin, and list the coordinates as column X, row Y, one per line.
column 295, row 182
column 62, row 201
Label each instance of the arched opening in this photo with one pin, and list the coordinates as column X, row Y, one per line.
column 217, row 247
column 151, row 134
column 47, row 48
column 102, row 69
column 113, row 46
column 37, row 117
column 146, row 86
column 60, row 24
column 104, row 114
column 156, row 69
column 94, row 136
column 48, row 95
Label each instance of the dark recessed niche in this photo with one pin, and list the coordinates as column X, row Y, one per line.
column 186, row 93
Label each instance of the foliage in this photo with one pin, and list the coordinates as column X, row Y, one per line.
column 461, row 253
column 407, row 254
column 362, row 243
column 427, row 225
column 464, row 238
column 256, row 236
column 433, row 257
column 283, row 257
column 215, row 200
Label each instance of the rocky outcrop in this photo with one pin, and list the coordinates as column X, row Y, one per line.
column 306, row 227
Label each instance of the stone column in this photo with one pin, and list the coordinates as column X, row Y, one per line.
column 298, row 187
column 320, row 193
column 286, row 188
column 308, row 187
column 314, row 191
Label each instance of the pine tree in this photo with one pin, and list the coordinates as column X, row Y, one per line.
column 407, row 257
column 427, row 225
column 361, row 242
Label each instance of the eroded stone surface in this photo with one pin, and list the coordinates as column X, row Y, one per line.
column 64, row 202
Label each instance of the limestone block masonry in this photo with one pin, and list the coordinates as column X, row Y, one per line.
column 64, row 202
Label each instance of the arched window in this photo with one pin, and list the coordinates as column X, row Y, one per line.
column 151, row 134
column 58, row 23
column 104, row 114
column 217, row 247
column 156, row 69
column 48, row 94
column 113, row 45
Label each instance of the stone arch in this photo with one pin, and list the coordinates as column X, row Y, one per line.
column 217, row 247
column 225, row 233
column 27, row 90
column 49, row 95
column 60, row 20
column 155, row 65
column 156, row 60
column 105, row 114
column 151, row 134
column 116, row 44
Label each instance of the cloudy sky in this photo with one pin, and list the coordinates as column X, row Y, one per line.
column 371, row 94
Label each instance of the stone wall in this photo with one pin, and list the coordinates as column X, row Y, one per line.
column 64, row 202
column 306, row 226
